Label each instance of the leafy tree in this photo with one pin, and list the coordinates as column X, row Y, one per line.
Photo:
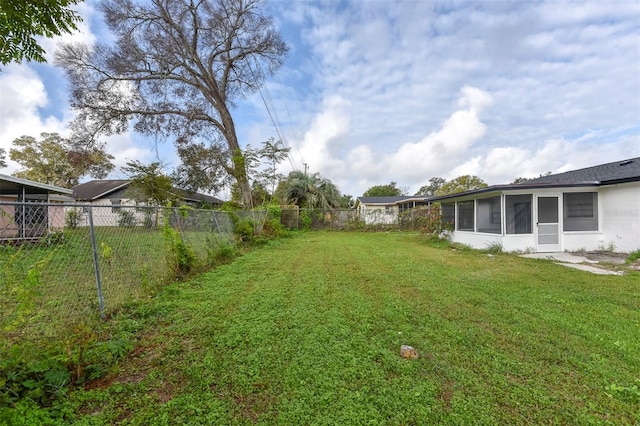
column 461, row 184
column 205, row 167
column 432, row 188
column 310, row 191
column 389, row 190
column 3, row 157
column 202, row 167
column 346, row 201
column 22, row 20
column 59, row 161
column 259, row 194
column 149, row 184
column 262, row 164
column 175, row 70
column 524, row 179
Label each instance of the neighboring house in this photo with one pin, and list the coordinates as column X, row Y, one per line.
column 110, row 195
column 32, row 221
column 593, row 208
column 386, row 210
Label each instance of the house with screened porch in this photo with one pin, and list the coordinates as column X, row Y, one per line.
column 595, row 208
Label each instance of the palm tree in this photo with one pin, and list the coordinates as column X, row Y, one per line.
column 311, row 191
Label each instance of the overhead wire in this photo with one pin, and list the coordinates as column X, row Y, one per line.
column 276, row 122
column 296, row 137
column 271, row 113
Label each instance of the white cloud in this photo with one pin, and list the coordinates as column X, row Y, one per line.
column 124, row 149
column 545, row 86
column 23, row 93
column 84, row 35
column 325, row 137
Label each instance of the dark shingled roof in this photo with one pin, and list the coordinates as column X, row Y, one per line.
column 96, row 189
column 603, row 174
column 196, row 196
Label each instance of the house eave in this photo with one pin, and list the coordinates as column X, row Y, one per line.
column 498, row 189
column 105, row 193
column 31, row 184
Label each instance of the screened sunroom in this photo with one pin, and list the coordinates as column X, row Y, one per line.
column 536, row 220
column 594, row 208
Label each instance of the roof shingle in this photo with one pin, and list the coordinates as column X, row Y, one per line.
column 618, row 171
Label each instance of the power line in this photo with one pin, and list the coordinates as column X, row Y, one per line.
column 264, row 101
column 273, row 114
column 296, row 137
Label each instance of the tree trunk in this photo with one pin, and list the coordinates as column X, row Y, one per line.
column 237, row 157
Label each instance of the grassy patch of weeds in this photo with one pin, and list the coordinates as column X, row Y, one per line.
column 494, row 248
column 633, row 256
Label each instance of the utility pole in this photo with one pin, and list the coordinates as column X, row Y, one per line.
column 306, row 168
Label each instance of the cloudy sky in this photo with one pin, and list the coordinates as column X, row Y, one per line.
column 381, row 91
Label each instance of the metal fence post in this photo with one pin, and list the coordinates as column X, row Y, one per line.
column 96, row 263
column 215, row 218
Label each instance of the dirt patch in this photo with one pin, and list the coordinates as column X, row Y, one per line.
column 606, row 257
column 446, row 394
column 612, row 261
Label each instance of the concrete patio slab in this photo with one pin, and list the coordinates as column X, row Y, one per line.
column 572, row 261
column 589, row 268
column 560, row 257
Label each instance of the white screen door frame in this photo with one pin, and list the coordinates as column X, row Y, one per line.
column 548, row 223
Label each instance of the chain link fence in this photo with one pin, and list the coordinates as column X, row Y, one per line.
column 356, row 220
column 67, row 264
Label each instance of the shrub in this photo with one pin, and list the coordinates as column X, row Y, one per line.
column 181, row 258
column 29, row 383
column 72, row 218
column 305, row 219
column 494, row 248
column 427, row 220
column 126, row 219
column 219, row 251
column 149, row 219
column 244, row 229
column 633, row 256
column 273, row 227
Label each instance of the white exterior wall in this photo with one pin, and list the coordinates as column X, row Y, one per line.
column 378, row 215
column 579, row 241
column 103, row 214
column 519, row 242
column 618, row 223
column 476, row 240
column 619, row 210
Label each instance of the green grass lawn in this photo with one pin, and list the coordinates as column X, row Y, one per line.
column 308, row 330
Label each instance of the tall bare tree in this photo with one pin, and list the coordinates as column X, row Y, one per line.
column 175, row 70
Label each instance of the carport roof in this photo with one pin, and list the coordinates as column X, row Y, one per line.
column 14, row 186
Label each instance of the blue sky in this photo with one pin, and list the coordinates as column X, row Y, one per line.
column 380, row 91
